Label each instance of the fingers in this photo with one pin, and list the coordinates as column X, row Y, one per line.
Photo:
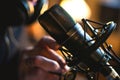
column 39, row 68
column 46, row 64
column 48, row 41
column 43, row 63
column 55, row 56
column 50, row 67
column 48, row 46
column 51, row 54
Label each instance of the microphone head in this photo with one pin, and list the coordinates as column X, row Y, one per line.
column 57, row 22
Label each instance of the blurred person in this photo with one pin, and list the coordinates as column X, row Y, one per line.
column 31, row 63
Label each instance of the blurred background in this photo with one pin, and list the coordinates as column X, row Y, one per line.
column 96, row 10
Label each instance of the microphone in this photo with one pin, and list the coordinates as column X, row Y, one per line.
column 83, row 51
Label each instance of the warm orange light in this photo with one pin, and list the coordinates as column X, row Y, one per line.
column 78, row 9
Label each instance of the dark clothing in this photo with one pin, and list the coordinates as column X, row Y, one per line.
column 9, row 52
column 8, row 66
column 9, row 70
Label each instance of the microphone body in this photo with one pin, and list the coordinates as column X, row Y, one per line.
column 60, row 25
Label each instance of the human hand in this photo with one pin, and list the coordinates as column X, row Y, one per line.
column 40, row 62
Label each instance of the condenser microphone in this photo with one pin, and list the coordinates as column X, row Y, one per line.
column 79, row 46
